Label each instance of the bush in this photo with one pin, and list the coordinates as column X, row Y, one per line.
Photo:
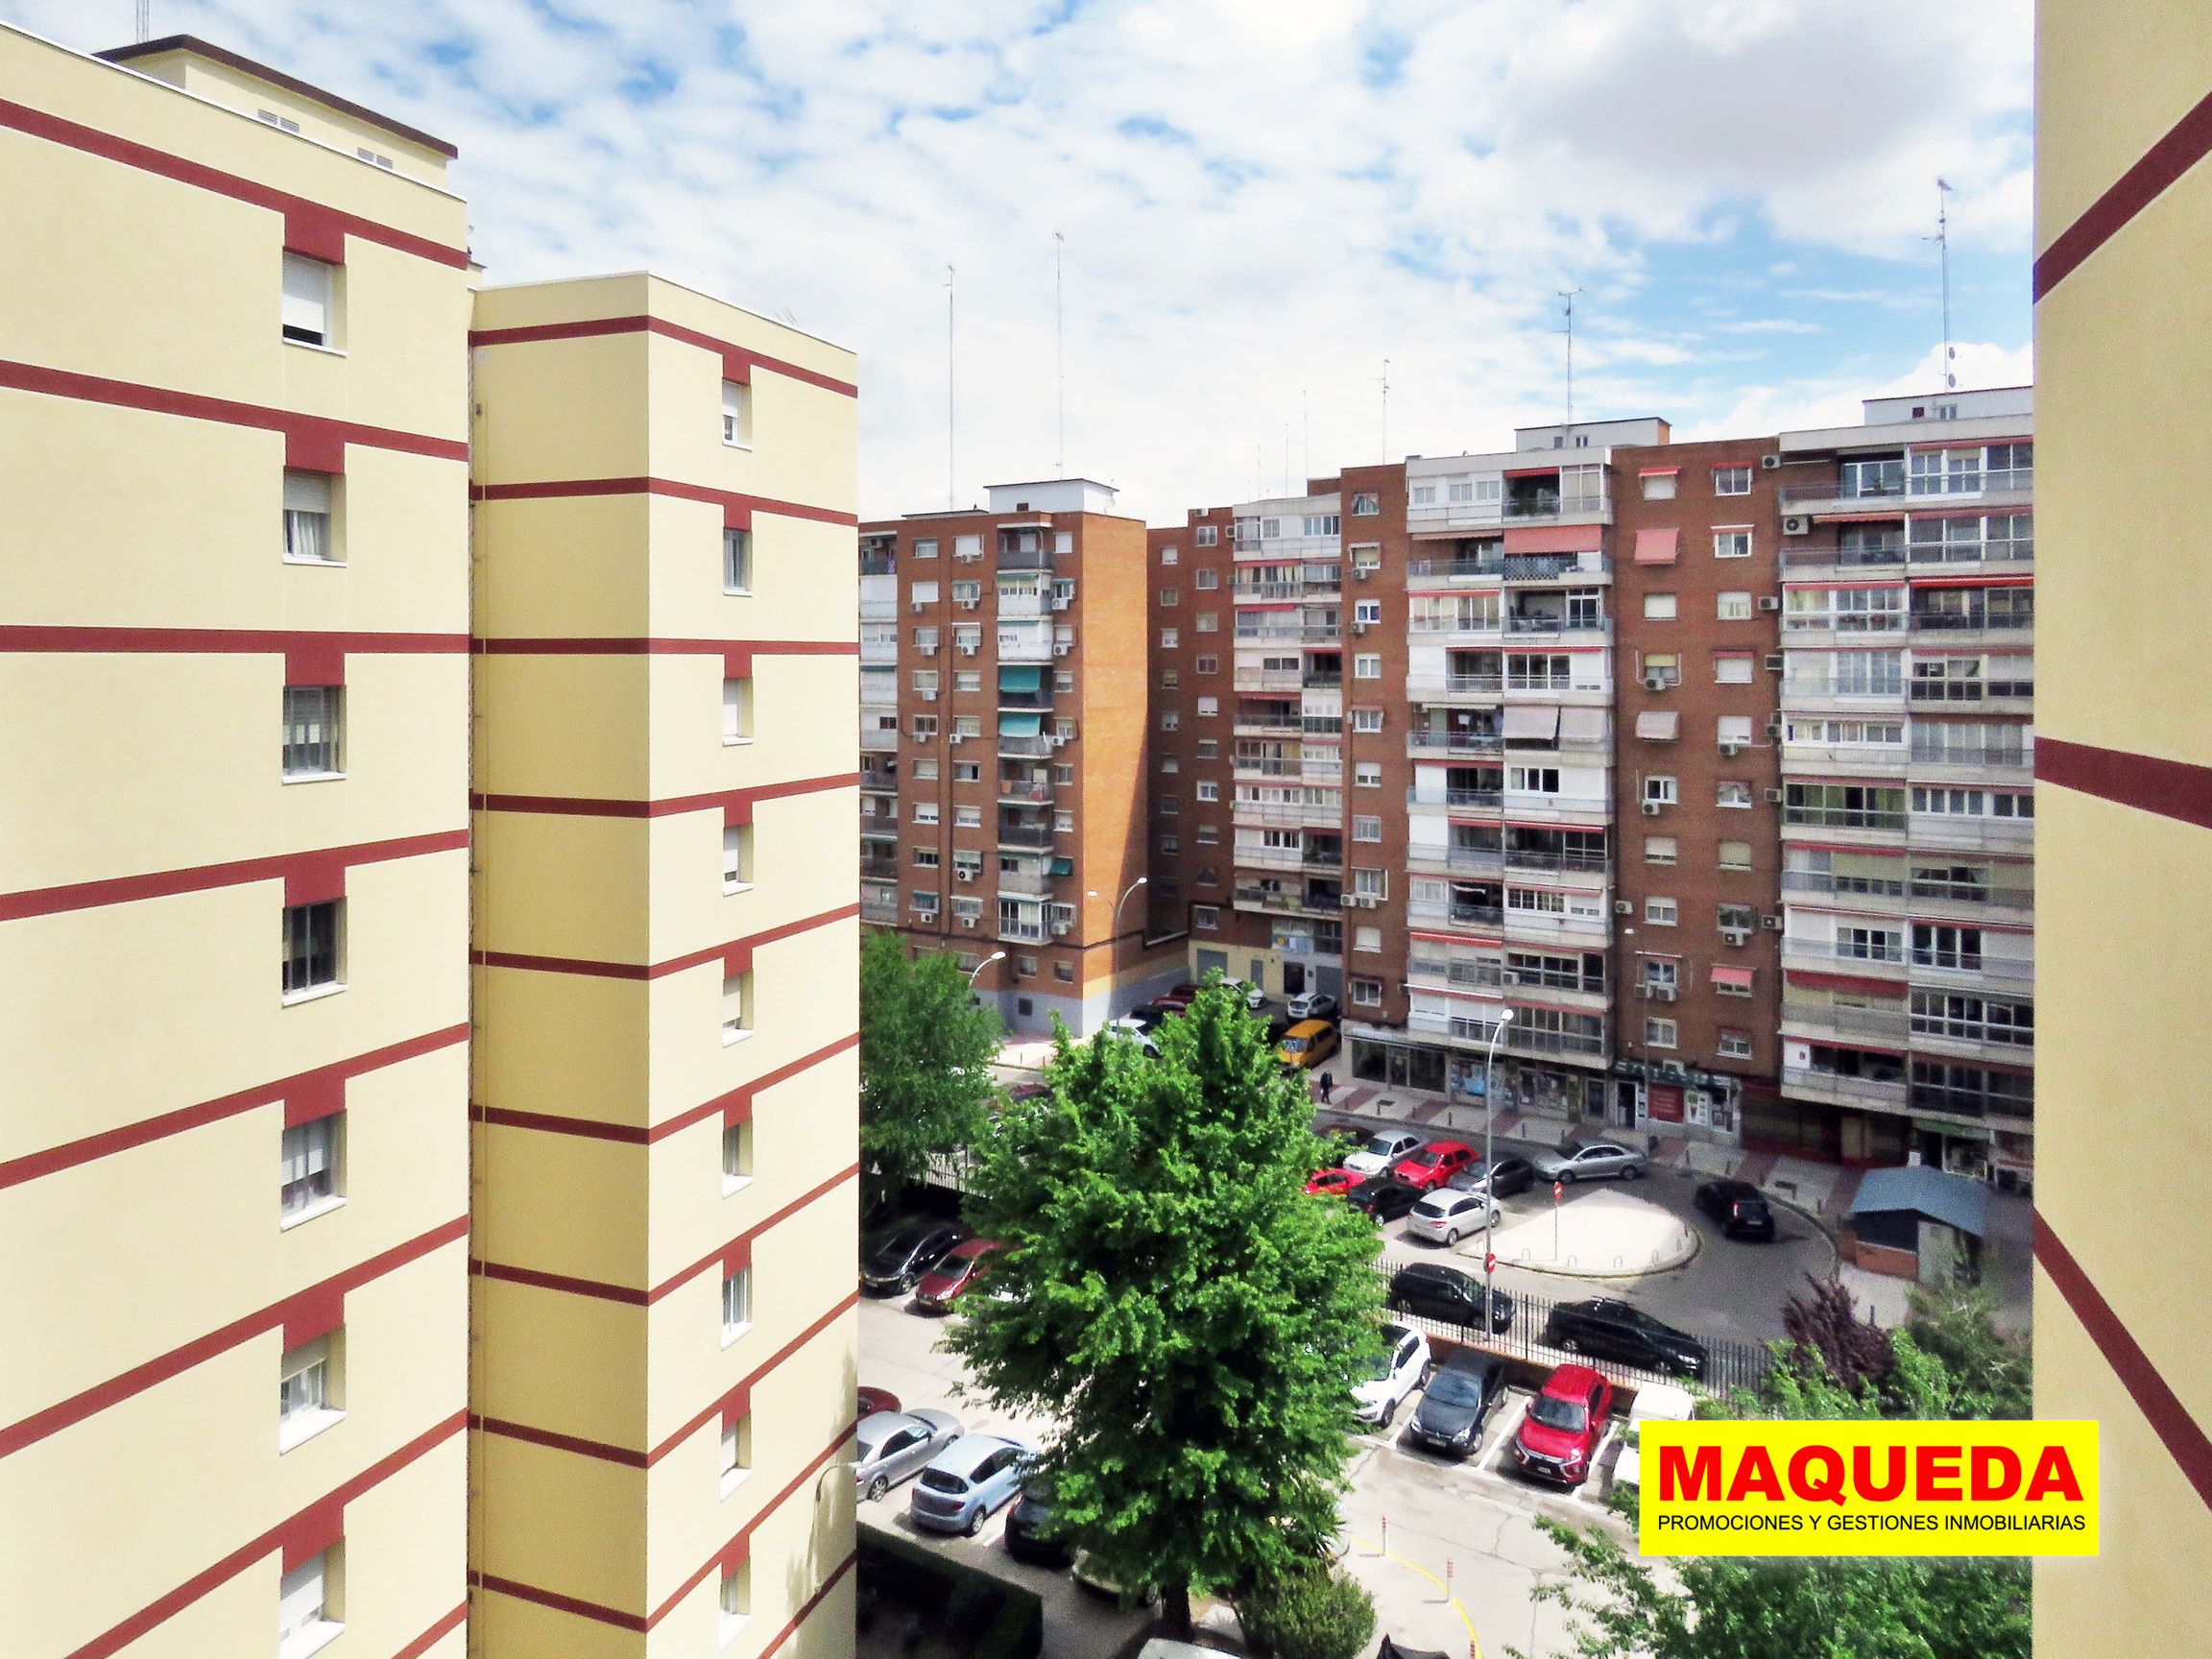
column 1311, row 1614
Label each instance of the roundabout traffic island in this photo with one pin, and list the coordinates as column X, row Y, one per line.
column 1593, row 1233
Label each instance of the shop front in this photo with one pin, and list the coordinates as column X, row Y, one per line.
column 1531, row 1087
column 1672, row 1099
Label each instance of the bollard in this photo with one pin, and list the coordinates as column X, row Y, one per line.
column 1385, row 1535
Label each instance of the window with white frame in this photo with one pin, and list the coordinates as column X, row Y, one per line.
column 1208, row 707
column 1371, row 883
column 1659, row 486
column 1365, row 504
column 968, row 547
column 1731, row 480
column 737, row 1007
column 1207, row 535
column 310, row 310
column 1168, row 805
column 1734, row 1045
column 1062, row 540
column 1170, row 597
column 1206, row 622
column 1731, row 793
column 736, row 1155
column 1659, row 1033
column 1733, row 608
column 1367, row 774
column 736, row 561
column 736, row 858
column 1659, row 789
column 1206, row 581
column 1367, row 557
column 736, row 1302
column 1424, row 495
column 1734, row 854
column 1207, row 665
column 312, row 728
column 1458, row 489
column 1731, row 544
column 1170, row 764
column 1367, row 665
column 307, row 1172
column 924, row 546
column 309, row 1605
column 736, row 1453
column 312, row 949
column 1170, row 720
column 965, row 817
column 926, row 858
column 924, row 811
column 1366, row 719
column 1169, row 554
column 1207, row 789
column 1658, row 607
column 1731, row 668
column 1063, row 821
column 1367, row 611
column 1206, row 918
column 737, row 414
column 1366, row 993
column 308, row 1397
column 1659, row 848
column 311, row 519
column 1661, row 912
column 1367, row 939
column 1169, row 638
column 736, row 711
column 1367, row 827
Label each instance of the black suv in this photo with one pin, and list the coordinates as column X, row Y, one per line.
column 1029, row 1534
column 1611, row 1330
column 1457, row 1401
column 1435, row 1291
column 897, row 1264
column 1738, row 1208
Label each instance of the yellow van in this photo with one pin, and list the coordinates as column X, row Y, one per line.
column 1307, row 1044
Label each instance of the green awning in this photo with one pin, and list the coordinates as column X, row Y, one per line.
column 1063, row 866
column 1015, row 677
column 1019, row 724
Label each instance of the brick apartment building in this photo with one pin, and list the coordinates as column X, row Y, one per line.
column 1002, row 713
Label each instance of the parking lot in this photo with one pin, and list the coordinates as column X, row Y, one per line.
column 1415, row 1521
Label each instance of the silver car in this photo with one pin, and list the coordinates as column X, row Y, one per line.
column 1591, row 1163
column 895, row 1444
column 1383, row 1148
column 1446, row 1217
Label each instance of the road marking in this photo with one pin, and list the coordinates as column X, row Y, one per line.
column 1474, row 1641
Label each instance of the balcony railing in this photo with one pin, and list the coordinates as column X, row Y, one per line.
column 1844, row 818
column 1456, row 915
column 1971, row 690
column 875, row 742
column 1023, row 748
column 1545, row 624
column 1864, row 954
column 879, row 610
column 1811, row 1082
column 1520, row 1037
column 1020, row 933
column 1267, row 680
column 1993, row 754
column 878, row 909
column 879, row 870
column 879, row 782
column 1420, row 795
column 1019, row 604
column 1878, row 1023
column 1455, row 685
column 1288, row 903
column 1538, row 858
column 1951, row 623
column 1473, row 743
column 1300, row 813
column 2004, row 550
column 1039, row 701
column 1328, row 774
column 1020, row 559
column 1033, row 791
column 1970, row 1103
column 1036, row 836
column 1828, row 685
column 2008, row 968
column 1032, row 883
column 2007, row 897
column 1320, row 680
column 1881, row 555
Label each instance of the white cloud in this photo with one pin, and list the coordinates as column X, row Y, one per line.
column 1834, row 401
column 1259, row 200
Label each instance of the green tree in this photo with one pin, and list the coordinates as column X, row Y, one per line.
column 926, row 1052
column 1957, row 1324
column 1174, row 1300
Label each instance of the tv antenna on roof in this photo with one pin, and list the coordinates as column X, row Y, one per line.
column 1942, row 241
column 145, row 21
column 1060, row 354
column 1568, row 294
column 951, row 440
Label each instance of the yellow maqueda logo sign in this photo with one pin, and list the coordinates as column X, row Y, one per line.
column 1868, row 1488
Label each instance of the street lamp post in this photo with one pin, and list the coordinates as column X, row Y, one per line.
column 1114, row 940
column 976, row 972
column 1490, row 1161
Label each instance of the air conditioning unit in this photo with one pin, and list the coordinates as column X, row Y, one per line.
column 929, row 650
column 1733, row 748
column 964, row 874
column 1772, row 924
column 959, row 737
column 1656, row 682
column 1773, row 797
column 968, row 921
column 1767, row 463
column 1770, row 601
column 1774, row 728
column 1624, row 906
column 1776, row 662
column 1651, row 808
column 1061, row 647
column 1061, row 741
column 970, row 604
column 1796, row 524
column 927, row 696
column 1657, row 992
column 1737, row 936
column 916, row 607
column 1360, row 572
column 1359, row 627
column 1061, row 930
column 969, row 647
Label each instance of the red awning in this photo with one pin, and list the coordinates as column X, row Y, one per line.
column 1735, row 653
column 1455, row 938
column 1532, row 471
column 1659, row 472
column 1732, row 978
column 1888, row 988
column 1557, row 538
column 1656, row 546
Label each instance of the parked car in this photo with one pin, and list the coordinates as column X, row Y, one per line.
column 1450, row 1294
column 1446, row 1217
column 1140, row 1027
column 1094, row 1578
column 1177, row 999
column 1384, row 1197
column 967, row 1482
column 1457, row 1402
column 1024, row 1092
column 1029, row 1534
column 1395, row 1369
column 1255, row 998
column 1655, row 1401
column 897, row 1263
column 1738, row 1208
column 1504, row 1177
column 1430, row 1166
column 874, row 1399
column 956, row 1272
column 1382, row 1149
column 1334, row 1183
column 895, row 1444
column 1313, row 1006
column 1560, row 1430
column 1613, row 1330
column 1591, row 1162
column 1307, row 1044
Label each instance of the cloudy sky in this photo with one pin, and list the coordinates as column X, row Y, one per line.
column 1261, row 200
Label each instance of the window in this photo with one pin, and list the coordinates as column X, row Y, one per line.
column 308, row 538
column 1365, row 504
column 1205, row 535
column 1731, row 668
column 1458, row 489
column 967, row 817
column 736, row 1303
column 1734, row 1045
column 1209, row 834
column 1366, row 829
column 307, row 1395
column 1366, row 720
column 307, row 1606
column 311, row 949
column 1660, row 912
column 1171, row 844
column 1063, row 972
column 1062, row 540
column 1367, row 558
column 736, row 858
column 1368, row 774
column 1734, row 854
column 1659, row 787
column 1731, row 544
column 1170, row 720
column 1658, row 607
column 924, row 546
column 1205, row 917
column 1733, row 731
column 736, row 1155
column 1661, row 670
column 1366, row 993
column 1730, row 793
column 1733, row 608
column 737, row 414
column 311, row 732
column 1209, row 749
column 1367, row 939
column 738, row 563
column 1371, row 883
column 926, row 858
column 1659, row 486
column 1658, row 848
column 1659, row 1033
column 1170, row 764
column 1270, row 528
column 1169, row 554
column 1424, row 495
column 736, row 1453
column 1731, row 480
column 1367, row 665
column 307, row 1170
column 737, row 711
column 1170, row 597
column 1168, row 805
column 737, row 1008
column 1206, row 581
column 1208, row 622
column 1063, row 823
column 310, row 292
column 1170, row 639
column 968, row 547
column 1208, row 790
column 1534, row 779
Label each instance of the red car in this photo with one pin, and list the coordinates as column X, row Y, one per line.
column 1179, row 998
column 958, row 1271
column 1334, row 1183
column 1430, row 1166
column 874, row 1399
column 1559, row 1433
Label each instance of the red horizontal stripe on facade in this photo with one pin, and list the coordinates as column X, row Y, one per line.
column 268, row 1544
column 63, row 1414
column 656, row 970
column 1973, row 581
column 2183, row 1438
column 1889, row 988
column 639, row 1135
column 743, row 1537
column 585, row 328
column 437, row 1633
column 582, row 807
column 631, row 1295
column 556, row 488
column 31, row 1165
column 34, row 638
column 206, row 877
column 2183, row 146
column 639, row 646
column 2171, row 788
column 602, row 1450
column 808, row 1606
column 147, row 159
column 192, row 406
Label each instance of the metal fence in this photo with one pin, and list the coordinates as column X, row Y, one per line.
column 1729, row 1365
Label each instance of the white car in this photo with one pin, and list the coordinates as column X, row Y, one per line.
column 1312, row 1005
column 1255, row 998
column 1446, row 1217
column 1660, row 1401
column 1394, row 1371
column 1591, row 1162
column 1383, row 1148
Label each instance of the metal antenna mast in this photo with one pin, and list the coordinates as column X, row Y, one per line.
column 1060, row 353
column 951, row 440
column 1942, row 241
column 145, row 20
column 1305, row 432
column 1568, row 294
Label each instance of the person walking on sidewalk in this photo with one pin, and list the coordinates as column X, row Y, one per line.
column 1328, row 1087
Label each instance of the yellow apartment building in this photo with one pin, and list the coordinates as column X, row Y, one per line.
column 236, row 992
column 2124, row 770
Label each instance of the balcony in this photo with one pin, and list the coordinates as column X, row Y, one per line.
column 1547, row 626
column 1422, row 745
column 1327, row 773
column 1294, row 813
column 1801, row 554
column 1037, row 702
column 1284, row 633
column 1970, row 756
column 1309, row 904
column 878, row 742
column 1884, row 483
column 1455, row 915
column 1320, row 680
column 1862, row 694
column 1029, row 883
column 1321, row 634
column 883, row 910
column 1456, row 861
column 879, row 870
column 879, row 610
column 1975, row 693
column 1815, row 1022
column 1858, row 892
column 1025, row 604
column 1954, row 623
column 2006, row 552
column 1942, row 829
column 1521, row 1038
column 1024, row 792
column 1430, row 795
column 1028, row 645
column 1564, row 861
column 1970, row 896
column 1854, row 760
column 1952, row 968
column 1013, row 933
column 879, row 653
column 1805, row 1083
column 1844, row 818
column 1843, row 956
column 1035, row 838
column 1447, row 687
column 1013, row 747
column 879, row 782
column 1267, row 680
column 1024, row 558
